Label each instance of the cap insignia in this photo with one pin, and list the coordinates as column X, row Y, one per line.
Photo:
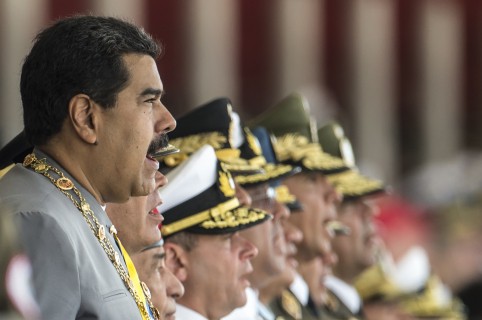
column 226, row 184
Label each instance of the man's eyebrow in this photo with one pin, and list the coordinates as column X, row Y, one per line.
column 152, row 92
column 159, row 256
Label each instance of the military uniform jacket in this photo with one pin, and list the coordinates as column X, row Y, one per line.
column 72, row 276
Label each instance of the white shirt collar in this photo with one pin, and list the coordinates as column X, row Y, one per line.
column 345, row 292
column 248, row 311
column 184, row 313
column 300, row 289
column 265, row 312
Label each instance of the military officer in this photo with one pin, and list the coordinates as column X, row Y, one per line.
column 357, row 250
column 205, row 248
column 296, row 144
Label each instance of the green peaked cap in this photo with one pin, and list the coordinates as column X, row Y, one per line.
column 290, row 115
column 296, row 135
column 352, row 184
column 333, row 141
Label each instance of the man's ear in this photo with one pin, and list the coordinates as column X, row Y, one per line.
column 83, row 118
column 176, row 260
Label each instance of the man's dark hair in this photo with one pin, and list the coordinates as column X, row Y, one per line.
column 185, row 239
column 79, row 54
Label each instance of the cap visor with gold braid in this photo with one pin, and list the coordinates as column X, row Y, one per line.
column 215, row 124
column 351, row 184
column 209, row 124
column 201, row 198
column 252, row 151
column 296, row 139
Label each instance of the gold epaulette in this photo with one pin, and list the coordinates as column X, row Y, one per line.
column 291, row 305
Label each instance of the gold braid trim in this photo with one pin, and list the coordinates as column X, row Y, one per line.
column 220, row 209
column 257, row 161
column 190, row 144
column 234, row 218
column 271, row 171
column 375, row 281
column 431, row 302
column 253, row 142
column 241, row 165
column 297, row 148
column 351, row 183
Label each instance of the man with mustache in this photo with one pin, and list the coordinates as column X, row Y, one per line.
column 91, row 95
column 359, row 249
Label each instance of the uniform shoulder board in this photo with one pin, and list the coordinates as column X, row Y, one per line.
column 291, row 305
column 331, row 302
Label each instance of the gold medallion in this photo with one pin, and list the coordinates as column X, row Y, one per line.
column 64, row 183
column 101, row 232
column 29, row 159
column 84, row 206
column 146, row 290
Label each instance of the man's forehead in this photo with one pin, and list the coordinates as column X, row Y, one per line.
column 143, row 72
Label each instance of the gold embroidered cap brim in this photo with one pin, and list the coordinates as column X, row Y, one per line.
column 271, row 172
column 352, row 185
column 234, row 220
column 224, row 218
column 296, row 150
column 432, row 303
column 374, row 283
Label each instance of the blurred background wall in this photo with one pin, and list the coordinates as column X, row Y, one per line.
column 403, row 76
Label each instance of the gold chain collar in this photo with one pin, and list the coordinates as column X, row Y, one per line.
column 64, row 184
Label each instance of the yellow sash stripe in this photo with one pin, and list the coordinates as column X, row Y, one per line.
column 133, row 275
